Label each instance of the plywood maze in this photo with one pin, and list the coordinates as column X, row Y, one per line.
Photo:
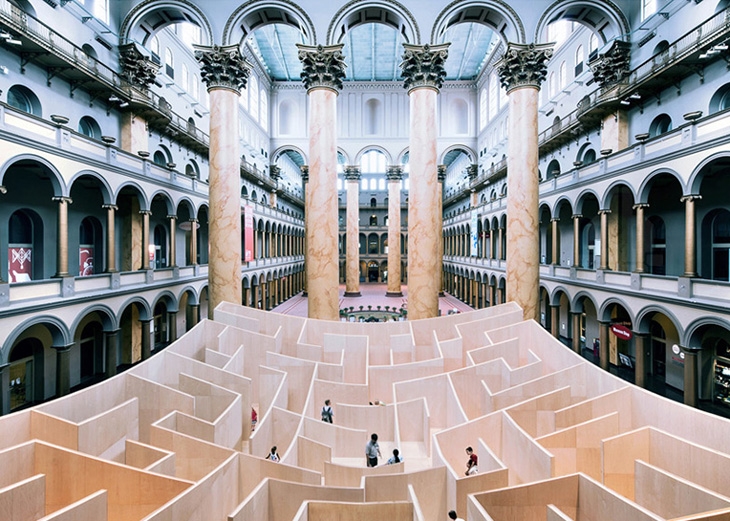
column 171, row 438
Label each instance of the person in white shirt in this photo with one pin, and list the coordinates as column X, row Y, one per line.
column 452, row 515
column 395, row 458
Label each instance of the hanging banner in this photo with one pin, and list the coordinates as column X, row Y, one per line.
column 247, row 233
column 474, row 233
column 20, row 266
column 86, row 261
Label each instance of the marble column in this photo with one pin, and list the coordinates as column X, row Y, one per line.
column 323, row 71
column 193, row 242
column 423, row 70
column 146, row 338
column 63, row 369
column 352, row 268
column 555, row 321
column 111, row 255
column 604, row 239
column 576, row 240
column 641, row 342
column 521, row 71
column 500, row 242
column 555, row 253
column 394, row 175
column 139, row 70
column 62, row 237
column 640, row 237
column 603, row 347
column 575, row 316
column 690, row 259
column 225, row 72
column 111, row 345
column 172, row 256
column 441, row 176
column 145, row 239
column 171, row 325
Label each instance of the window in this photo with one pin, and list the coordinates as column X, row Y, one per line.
column 579, row 60
column 100, row 10
column 552, row 85
column 483, row 109
column 169, row 63
column 22, row 98
column 721, row 246
column 264, row 110
column 493, row 93
column 373, row 161
column 372, row 117
column 185, row 79
column 195, row 87
column 661, row 125
column 89, row 127
column 253, row 107
column 648, row 8
column 563, row 75
column 154, row 46
column 592, row 46
column 159, row 158
column 721, row 99
column 657, row 261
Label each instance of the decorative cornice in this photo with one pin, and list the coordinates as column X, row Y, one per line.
column 423, row 65
column 611, row 66
column 323, row 67
column 352, row 172
column 524, row 65
column 222, row 67
column 137, row 68
column 394, row 173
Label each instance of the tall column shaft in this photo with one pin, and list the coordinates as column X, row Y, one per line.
column 640, row 344
column 639, row 238
column 63, row 370
column 394, row 259
column 603, row 344
column 424, row 232
column 555, row 321
column 224, row 261
column 690, row 376
column 321, row 207
column 604, row 239
column 62, row 244
column 172, row 256
column 523, row 238
column 352, row 267
column 146, row 339
column 690, row 260
column 193, row 242
column 111, row 256
column 555, row 253
column 576, row 240
column 111, row 343
column 145, row 240
column 576, row 332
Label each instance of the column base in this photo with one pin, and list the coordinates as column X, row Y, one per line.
column 352, row 294
column 442, row 294
column 394, row 294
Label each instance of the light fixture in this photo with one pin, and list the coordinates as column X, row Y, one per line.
column 625, row 102
column 14, row 41
column 123, row 104
column 113, row 98
column 635, row 95
column 5, row 35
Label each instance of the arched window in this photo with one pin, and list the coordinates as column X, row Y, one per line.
column 169, row 63
column 552, row 85
column 160, row 244
column 721, row 99
column 579, row 60
column 589, row 156
column 483, row 109
column 154, row 46
column 264, row 110
column 592, row 46
column 563, row 75
column 90, row 242
column 185, row 77
column 373, row 202
column 159, row 158
column 372, row 162
column 660, row 125
column 253, row 101
column 22, row 98
column 195, row 87
column 373, row 220
column 24, row 257
column 89, row 127
column 493, row 95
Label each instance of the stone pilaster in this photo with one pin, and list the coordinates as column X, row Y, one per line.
column 424, row 73
column 352, row 262
column 225, row 72
column 521, row 72
column 394, row 175
column 323, row 71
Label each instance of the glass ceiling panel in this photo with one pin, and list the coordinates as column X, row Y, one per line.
column 275, row 45
column 471, row 45
column 372, row 53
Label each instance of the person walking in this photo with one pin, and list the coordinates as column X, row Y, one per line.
column 372, row 451
column 273, row 455
column 327, row 413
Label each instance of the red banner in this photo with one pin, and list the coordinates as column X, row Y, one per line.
column 248, row 233
column 622, row 332
column 20, row 266
column 86, row 261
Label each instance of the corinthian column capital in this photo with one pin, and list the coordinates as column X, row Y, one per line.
column 352, row 172
column 394, row 173
column 524, row 65
column 423, row 65
column 223, row 67
column 137, row 67
column 322, row 66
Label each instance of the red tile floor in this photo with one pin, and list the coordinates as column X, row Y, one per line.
column 371, row 294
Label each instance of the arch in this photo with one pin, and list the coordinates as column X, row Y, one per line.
column 694, row 183
column 693, row 328
column 368, row 148
column 164, row 196
column 59, row 186
column 167, row 297
column 108, row 319
column 660, row 125
column 611, row 301
column 149, row 16
column 720, row 100
column 144, row 203
column 106, row 189
column 495, row 14
column 556, row 294
column 643, row 318
column 583, row 197
column 613, row 188
column 471, row 154
column 25, row 100
column 645, row 188
column 59, row 333
column 252, row 15
column 389, row 12
column 562, row 200
column 144, row 307
column 603, row 17
column 276, row 154
column 576, row 304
